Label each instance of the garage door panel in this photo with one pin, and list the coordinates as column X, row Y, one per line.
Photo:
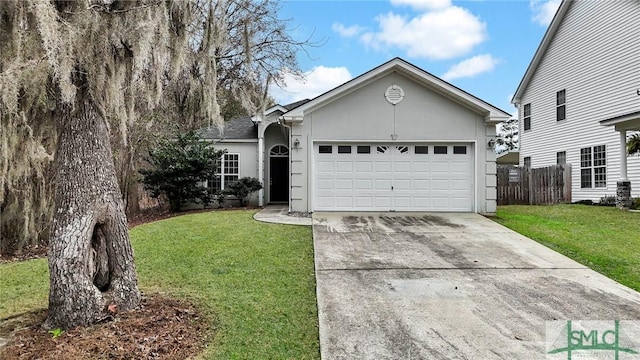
column 344, row 201
column 440, row 167
column 344, row 167
column 382, row 203
column 364, row 184
column 324, row 202
column 402, row 167
column 402, row 203
column 421, row 202
column 459, row 203
column 440, row 203
column 420, row 168
column 440, row 184
column 382, row 167
column 364, row 202
column 394, row 177
column 459, row 167
column 421, row 184
column 382, row 184
column 324, row 184
column 364, row 167
column 325, row 167
column 401, row 184
column 460, row 184
column 344, row 184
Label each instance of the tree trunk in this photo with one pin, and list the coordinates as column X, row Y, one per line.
column 90, row 255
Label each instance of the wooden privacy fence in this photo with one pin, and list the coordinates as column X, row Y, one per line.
column 525, row 186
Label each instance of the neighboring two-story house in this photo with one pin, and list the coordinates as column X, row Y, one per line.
column 580, row 97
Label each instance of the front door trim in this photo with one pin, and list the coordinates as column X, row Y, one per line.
column 278, row 182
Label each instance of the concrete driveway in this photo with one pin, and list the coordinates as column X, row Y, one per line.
column 447, row 286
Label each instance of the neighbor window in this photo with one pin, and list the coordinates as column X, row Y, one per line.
column 600, row 166
column 527, row 116
column 561, row 109
column 561, row 157
column 227, row 173
column 593, row 167
column 527, row 162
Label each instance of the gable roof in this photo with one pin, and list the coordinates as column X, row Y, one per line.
column 244, row 127
column 492, row 113
column 296, row 104
column 238, row 128
column 278, row 109
column 542, row 49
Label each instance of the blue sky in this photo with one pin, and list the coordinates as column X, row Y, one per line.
column 481, row 46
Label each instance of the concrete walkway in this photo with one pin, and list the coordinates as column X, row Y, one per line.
column 279, row 214
column 449, row 286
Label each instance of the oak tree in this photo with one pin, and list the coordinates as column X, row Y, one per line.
column 96, row 64
column 231, row 50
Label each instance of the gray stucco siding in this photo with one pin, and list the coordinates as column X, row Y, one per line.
column 274, row 135
column 247, row 157
column 366, row 115
column 423, row 116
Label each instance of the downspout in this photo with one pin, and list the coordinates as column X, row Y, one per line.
column 281, row 120
column 261, row 168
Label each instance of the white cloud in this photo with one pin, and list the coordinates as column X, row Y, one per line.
column 471, row 67
column 424, row 4
column 347, row 32
column 317, row 81
column 543, row 10
column 440, row 34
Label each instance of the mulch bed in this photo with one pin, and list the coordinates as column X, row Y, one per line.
column 163, row 328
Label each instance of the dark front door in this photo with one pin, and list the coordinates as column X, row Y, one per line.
column 279, row 179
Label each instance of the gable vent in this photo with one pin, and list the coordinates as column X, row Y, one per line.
column 394, row 94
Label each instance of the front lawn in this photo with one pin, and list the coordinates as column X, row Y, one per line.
column 253, row 281
column 603, row 238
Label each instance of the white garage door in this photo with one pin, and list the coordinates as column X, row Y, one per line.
column 384, row 177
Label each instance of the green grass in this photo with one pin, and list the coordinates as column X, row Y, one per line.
column 253, row 281
column 603, row 238
column 24, row 286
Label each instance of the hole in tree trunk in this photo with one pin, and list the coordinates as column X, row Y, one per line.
column 100, row 264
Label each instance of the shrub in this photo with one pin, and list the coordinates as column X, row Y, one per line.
column 242, row 188
column 635, row 204
column 207, row 196
column 220, row 197
column 180, row 165
column 607, row 200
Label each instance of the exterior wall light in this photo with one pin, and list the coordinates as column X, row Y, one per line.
column 296, row 144
column 491, row 144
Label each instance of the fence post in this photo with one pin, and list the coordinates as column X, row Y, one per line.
column 566, row 176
